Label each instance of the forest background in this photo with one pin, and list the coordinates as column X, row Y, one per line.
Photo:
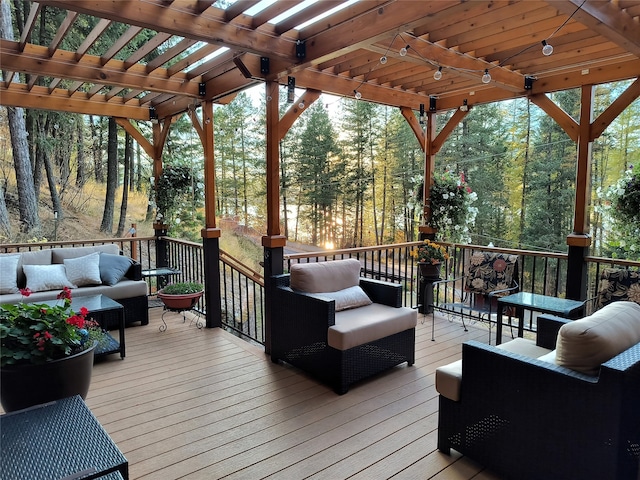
column 351, row 172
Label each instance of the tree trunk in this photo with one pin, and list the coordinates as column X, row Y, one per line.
column 81, row 175
column 125, row 184
column 27, row 200
column 5, row 226
column 112, row 177
column 45, row 157
column 96, row 151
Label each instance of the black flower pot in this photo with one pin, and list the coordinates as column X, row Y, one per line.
column 27, row 385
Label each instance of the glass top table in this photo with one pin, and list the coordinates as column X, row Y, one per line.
column 539, row 303
column 105, row 311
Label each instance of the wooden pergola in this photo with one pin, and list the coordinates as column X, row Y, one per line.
column 391, row 52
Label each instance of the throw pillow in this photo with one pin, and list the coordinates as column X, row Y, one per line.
column 113, row 268
column 583, row 345
column 9, row 273
column 41, row 278
column 84, row 270
column 352, row 297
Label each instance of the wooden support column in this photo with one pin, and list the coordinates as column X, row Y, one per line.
column 579, row 241
column 210, row 234
column 427, row 231
column 273, row 242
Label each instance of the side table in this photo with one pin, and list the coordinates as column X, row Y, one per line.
column 162, row 275
column 538, row 303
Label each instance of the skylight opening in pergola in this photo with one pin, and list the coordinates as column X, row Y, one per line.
column 209, row 57
column 292, row 11
column 325, row 14
column 258, row 7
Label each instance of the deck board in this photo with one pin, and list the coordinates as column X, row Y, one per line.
column 203, row 404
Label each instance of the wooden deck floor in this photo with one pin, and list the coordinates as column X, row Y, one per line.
column 203, row 404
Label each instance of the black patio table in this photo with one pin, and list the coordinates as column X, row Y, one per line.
column 58, row 440
column 541, row 303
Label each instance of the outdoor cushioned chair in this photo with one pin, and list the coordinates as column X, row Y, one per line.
column 337, row 326
column 528, row 411
column 487, row 276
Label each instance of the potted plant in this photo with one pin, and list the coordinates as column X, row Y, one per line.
column 47, row 351
column 430, row 256
column 181, row 295
column 452, row 212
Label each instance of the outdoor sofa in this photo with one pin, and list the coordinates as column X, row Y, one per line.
column 565, row 406
column 91, row 270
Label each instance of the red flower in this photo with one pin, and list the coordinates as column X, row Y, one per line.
column 76, row 321
column 65, row 293
column 48, row 336
column 25, row 292
column 84, row 312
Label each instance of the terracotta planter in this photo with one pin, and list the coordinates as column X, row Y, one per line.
column 27, row 385
column 184, row 301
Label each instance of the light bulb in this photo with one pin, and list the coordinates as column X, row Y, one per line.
column 438, row 74
column 403, row 51
column 383, row 59
column 486, row 78
column 546, row 48
column 358, row 95
column 301, row 105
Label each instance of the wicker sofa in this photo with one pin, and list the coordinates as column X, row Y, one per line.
column 528, row 411
column 87, row 271
column 337, row 326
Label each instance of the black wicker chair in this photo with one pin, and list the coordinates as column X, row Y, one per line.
column 299, row 332
column 529, row 419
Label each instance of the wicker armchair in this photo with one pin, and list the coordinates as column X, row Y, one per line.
column 527, row 418
column 304, row 324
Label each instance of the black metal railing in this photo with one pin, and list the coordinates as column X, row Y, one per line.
column 242, row 289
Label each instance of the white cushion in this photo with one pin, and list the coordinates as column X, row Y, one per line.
column 585, row 344
column 9, row 273
column 449, row 377
column 325, row 276
column 358, row 326
column 352, row 297
column 46, row 277
column 83, row 270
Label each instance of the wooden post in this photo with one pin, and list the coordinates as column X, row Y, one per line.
column 580, row 240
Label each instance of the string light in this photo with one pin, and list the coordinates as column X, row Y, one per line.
column 438, row 74
column 546, row 48
column 383, row 59
column 403, row 51
column 301, row 105
column 486, row 78
column 358, row 95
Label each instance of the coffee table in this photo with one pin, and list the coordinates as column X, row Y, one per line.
column 60, row 440
column 105, row 311
column 540, row 303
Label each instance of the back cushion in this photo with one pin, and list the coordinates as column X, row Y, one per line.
column 58, row 255
column 36, row 257
column 585, row 344
column 325, row 276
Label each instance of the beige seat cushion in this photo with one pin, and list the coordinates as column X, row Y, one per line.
column 365, row 324
column 585, row 344
column 325, row 276
column 449, row 377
